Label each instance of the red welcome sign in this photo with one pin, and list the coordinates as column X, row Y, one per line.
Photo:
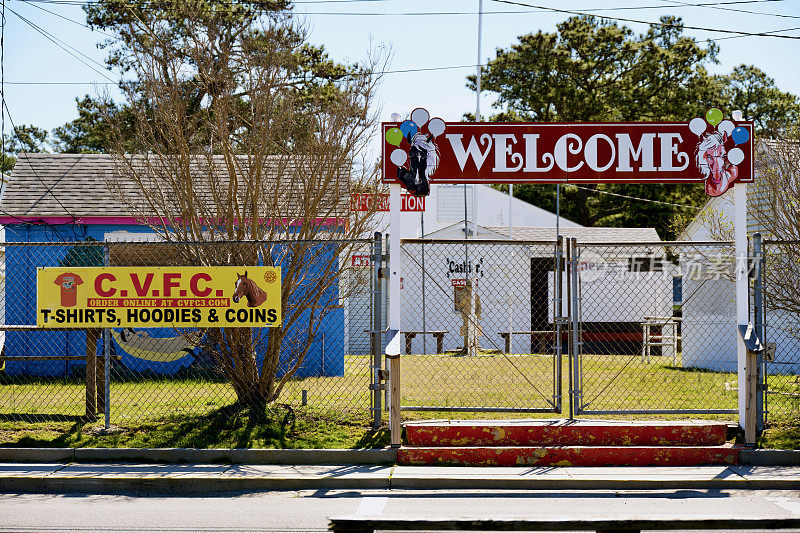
column 718, row 152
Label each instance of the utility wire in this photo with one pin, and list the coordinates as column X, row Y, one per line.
column 3, row 85
column 64, row 46
column 711, row 5
column 685, row 206
column 649, row 23
column 70, row 20
column 49, row 189
column 382, row 72
column 733, row 9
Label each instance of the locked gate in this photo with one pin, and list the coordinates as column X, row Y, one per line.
column 644, row 328
column 479, row 328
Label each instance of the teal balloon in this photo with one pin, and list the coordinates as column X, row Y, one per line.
column 740, row 135
column 409, row 128
column 394, row 136
column 714, row 116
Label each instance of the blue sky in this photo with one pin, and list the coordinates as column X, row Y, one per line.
column 416, row 41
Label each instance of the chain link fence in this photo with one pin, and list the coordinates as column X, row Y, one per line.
column 162, row 373
column 781, row 275
column 477, row 326
column 657, row 329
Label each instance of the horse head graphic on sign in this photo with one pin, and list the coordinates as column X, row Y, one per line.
column 717, row 162
column 246, row 287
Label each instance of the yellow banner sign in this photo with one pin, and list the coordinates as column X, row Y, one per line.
column 101, row 297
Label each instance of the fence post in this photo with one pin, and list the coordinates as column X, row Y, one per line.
column 91, row 373
column 758, row 321
column 576, row 343
column 558, row 318
column 376, row 330
column 107, row 360
column 393, row 355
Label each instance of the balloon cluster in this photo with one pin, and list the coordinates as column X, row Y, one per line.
column 726, row 127
column 406, row 131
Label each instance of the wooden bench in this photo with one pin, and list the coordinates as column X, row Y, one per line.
column 95, row 365
column 542, row 336
column 438, row 335
column 366, row 524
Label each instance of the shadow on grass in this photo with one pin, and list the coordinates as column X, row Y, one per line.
column 65, row 438
column 40, row 417
column 232, row 426
column 374, row 438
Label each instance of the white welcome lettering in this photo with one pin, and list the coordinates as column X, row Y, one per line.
column 472, row 150
column 532, row 157
column 560, row 152
column 502, row 149
column 643, row 151
column 669, row 148
column 590, row 154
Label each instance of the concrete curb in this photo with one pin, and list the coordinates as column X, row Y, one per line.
column 769, row 457
column 55, row 483
column 383, row 456
column 200, row 485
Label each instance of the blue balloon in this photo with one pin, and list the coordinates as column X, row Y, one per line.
column 740, row 135
column 409, row 128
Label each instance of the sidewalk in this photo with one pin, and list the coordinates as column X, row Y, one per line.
column 215, row 478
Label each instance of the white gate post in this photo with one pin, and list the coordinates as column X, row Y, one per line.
column 395, row 275
column 742, row 293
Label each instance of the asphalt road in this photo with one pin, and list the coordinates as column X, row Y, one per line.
column 306, row 511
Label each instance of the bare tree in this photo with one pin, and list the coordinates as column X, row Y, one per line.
column 235, row 145
column 774, row 209
column 775, row 205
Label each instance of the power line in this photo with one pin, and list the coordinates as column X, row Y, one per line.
column 720, row 7
column 633, row 197
column 70, row 20
column 48, row 189
column 3, row 82
column 64, row 46
column 382, row 72
column 711, row 5
column 649, row 23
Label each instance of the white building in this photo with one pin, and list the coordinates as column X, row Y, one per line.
column 514, row 280
column 485, row 207
column 709, row 318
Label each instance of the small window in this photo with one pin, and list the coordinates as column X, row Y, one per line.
column 450, row 202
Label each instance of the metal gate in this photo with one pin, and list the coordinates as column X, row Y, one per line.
column 780, row 315
column 645, row 328
column 479, row 327
column 654, row 328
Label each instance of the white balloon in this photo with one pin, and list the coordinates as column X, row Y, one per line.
column 697, row 125
column 735, row 156
column 436, row 126
column 726, row 127
column 420, row 116
column 737, row 115
column 398, row 157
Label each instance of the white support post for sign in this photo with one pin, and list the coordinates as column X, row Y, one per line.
column 395, row 260
column 395, row 276
column 742, row 315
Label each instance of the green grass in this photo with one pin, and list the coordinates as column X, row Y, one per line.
column 196, row 412
column 785, row 435
column 222, row 428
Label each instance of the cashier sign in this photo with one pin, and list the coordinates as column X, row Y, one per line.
column 97, row 297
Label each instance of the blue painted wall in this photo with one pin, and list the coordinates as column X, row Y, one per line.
column 325, row 357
